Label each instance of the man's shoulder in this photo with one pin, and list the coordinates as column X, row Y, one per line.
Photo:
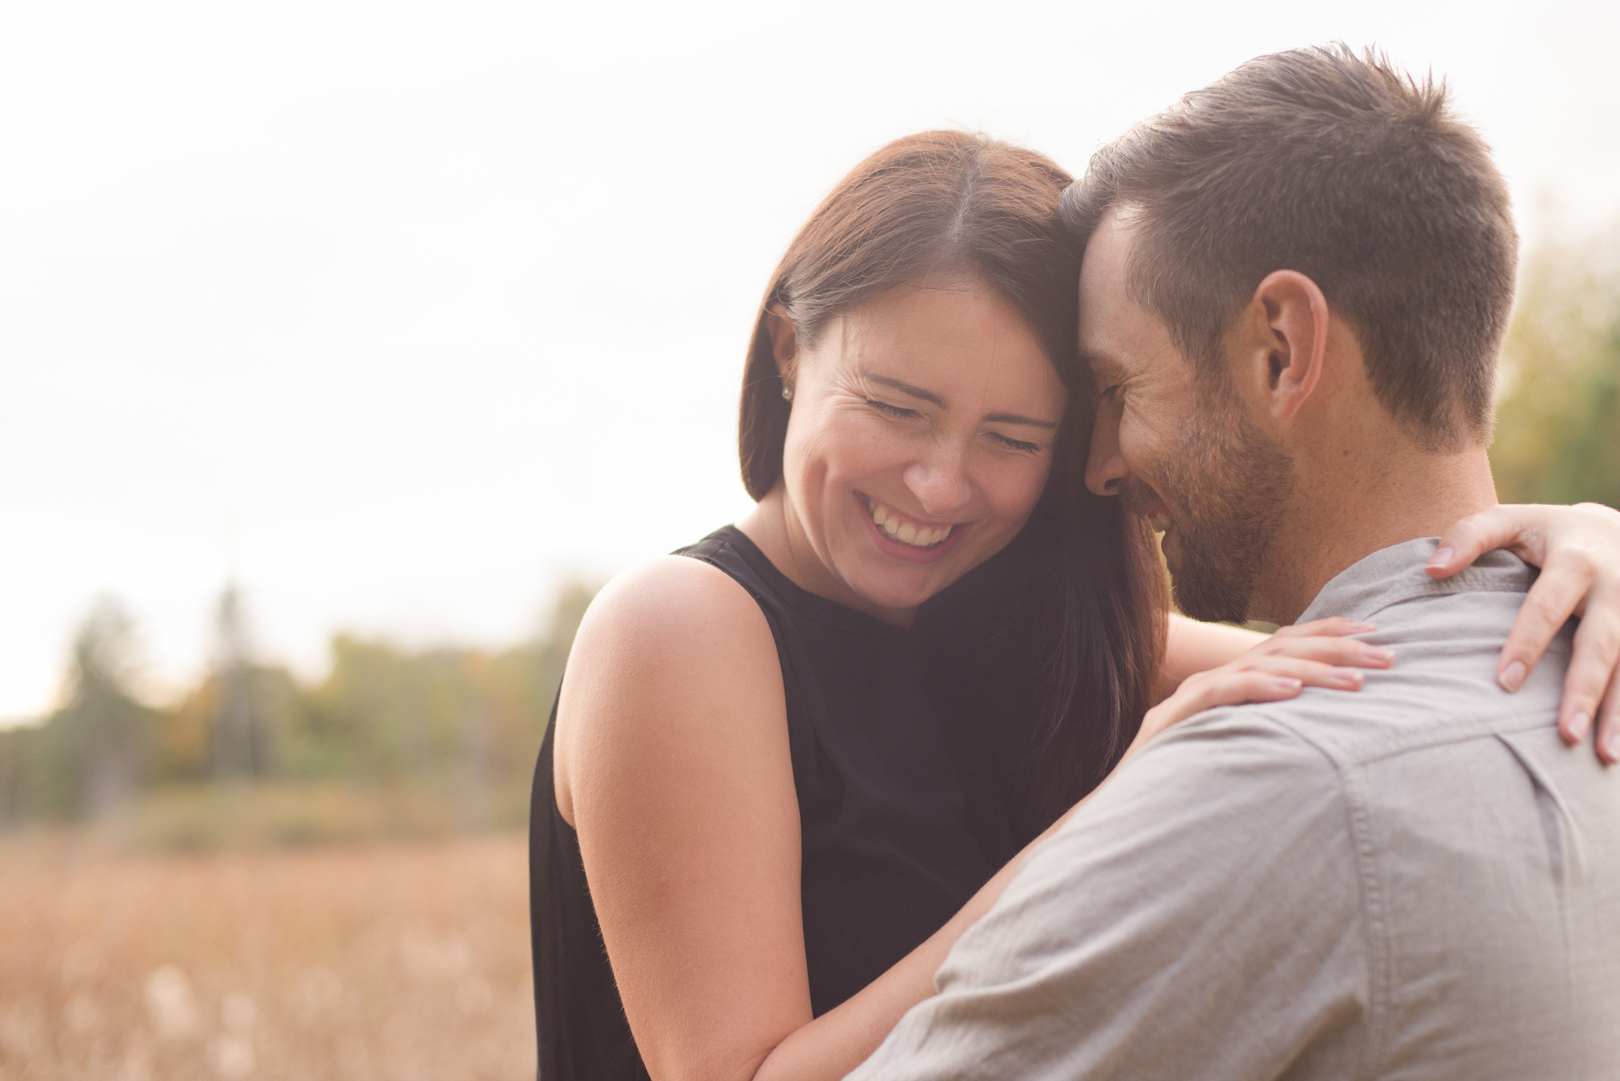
column 1225, row 769
column 1441, row 690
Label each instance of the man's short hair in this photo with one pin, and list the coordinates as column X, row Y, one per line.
column 1347, row 170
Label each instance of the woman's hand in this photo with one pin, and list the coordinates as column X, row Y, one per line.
column 1578, row 551
column 1316, row 654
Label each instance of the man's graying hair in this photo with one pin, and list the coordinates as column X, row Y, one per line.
column 1347, row 170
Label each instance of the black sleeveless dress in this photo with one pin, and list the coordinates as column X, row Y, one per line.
column 903, row 809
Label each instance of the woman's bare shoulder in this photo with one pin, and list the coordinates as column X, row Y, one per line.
column 673, row 661
column 672, row 603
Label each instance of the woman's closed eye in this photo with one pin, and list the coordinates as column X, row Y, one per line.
column 1007, row 442
column 891, row 410
column 1020, row 445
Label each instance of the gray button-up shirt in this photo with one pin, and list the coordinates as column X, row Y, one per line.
column 1417, row 880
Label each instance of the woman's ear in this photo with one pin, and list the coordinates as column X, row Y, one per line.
column 784, row 340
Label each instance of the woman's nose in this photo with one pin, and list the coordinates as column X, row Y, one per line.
column 1105, row 467
column 940, row 480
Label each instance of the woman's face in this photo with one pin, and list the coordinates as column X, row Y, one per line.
column 920, row 439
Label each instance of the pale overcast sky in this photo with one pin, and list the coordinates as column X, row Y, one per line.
column 401, row 312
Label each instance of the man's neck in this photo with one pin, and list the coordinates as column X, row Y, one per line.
column 1340, row 516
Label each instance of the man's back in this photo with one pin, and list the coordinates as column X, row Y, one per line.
column 1417, row 880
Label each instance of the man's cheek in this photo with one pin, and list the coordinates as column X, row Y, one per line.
column 1138, row 448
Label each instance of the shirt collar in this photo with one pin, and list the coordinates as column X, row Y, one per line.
column 1395, row 574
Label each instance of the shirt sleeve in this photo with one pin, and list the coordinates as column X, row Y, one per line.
column 1201, row 917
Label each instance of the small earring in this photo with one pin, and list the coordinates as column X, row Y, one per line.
column 787, row 392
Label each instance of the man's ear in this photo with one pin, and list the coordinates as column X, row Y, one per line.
column 1283, row 341
column 784, row 340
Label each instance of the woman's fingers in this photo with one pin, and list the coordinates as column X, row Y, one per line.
column 1576, row 549
column 1589, row 684
column 1253, row 685
column 1608, row 733
column 1506, row 526
column 1329, row 650
column 1269, row 676
column 1312, row 673
column 1267, row 673
column 1555, row 596
column 1333, row 626
column 1218, row 687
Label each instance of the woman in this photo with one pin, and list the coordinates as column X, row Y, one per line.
column 786, row 763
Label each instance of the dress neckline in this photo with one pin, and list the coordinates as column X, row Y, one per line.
column 823, row 611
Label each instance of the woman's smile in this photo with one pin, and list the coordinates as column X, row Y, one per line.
column 900, row 535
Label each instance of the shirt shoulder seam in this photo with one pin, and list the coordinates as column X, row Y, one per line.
column 1374, row 923
column 1435, row 589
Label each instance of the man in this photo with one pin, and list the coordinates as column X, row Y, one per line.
column 1295, row 285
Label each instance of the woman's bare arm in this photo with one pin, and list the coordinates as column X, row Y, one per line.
column 1191, row 647
column 672, row 763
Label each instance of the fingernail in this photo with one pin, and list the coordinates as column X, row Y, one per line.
column 1612, row 746
column 1353, row 675
column 1577, row 727
column 1441, row 558
column 1286, row 683
column 1512, row 676
column 1377, row 653
column 1361, row 626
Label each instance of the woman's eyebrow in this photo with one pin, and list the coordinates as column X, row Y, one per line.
column 906, row 388
column 1014, row 418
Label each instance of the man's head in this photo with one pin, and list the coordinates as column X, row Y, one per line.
column 1312, row 232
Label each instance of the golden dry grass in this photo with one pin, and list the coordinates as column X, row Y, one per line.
column 379, row 962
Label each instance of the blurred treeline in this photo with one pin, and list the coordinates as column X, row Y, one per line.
column 1558, row 417
column 392, row 741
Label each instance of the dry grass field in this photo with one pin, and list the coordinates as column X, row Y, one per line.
column 383, row 961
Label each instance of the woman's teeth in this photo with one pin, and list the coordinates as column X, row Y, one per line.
column 904, row 532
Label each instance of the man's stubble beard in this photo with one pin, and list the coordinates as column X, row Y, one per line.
column 1227, row 486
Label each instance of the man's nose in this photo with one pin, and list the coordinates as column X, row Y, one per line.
column 1105, row 467
column 940, row 480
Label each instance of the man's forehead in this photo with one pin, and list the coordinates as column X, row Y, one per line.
column 1104, row 288
column 1118, row 336
column 1128, row 345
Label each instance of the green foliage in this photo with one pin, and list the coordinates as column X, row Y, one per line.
column 1558, row 420
column 88, row 759
column 392, row 740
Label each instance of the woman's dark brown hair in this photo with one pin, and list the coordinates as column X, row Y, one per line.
column 1055, row 641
